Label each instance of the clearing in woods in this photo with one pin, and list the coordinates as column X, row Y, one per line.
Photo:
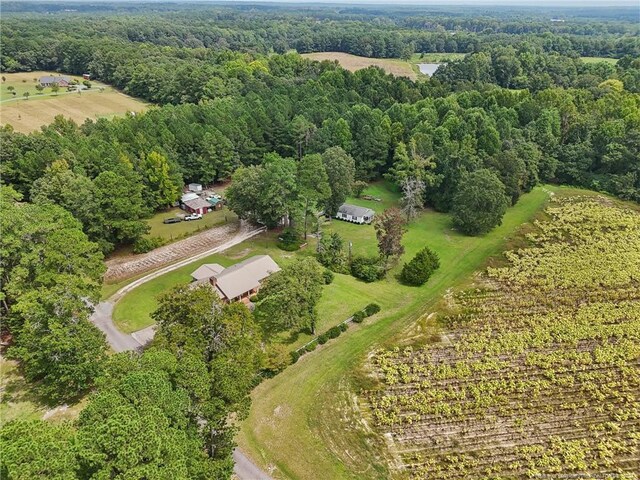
column 316, row 432
column 540, row 373
column 42, row 107
column 397, row 67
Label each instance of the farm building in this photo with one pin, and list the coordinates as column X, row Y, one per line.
column 215, row 202
column 61, row 81
column 238, row 282
column 195, row 187
column 355, row 214
column 197, row 205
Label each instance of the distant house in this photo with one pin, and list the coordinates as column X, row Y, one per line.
column 61, row 81
column 86, row 76
column 355, row 214
column 238, row 282
column 197, row 205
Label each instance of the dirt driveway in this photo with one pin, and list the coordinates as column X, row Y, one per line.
column 121, row 268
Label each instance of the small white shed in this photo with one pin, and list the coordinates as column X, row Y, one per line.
column 195, row 187
column 355, row 214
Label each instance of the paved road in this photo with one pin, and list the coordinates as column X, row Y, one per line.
column 244, row 468
column 102, row 315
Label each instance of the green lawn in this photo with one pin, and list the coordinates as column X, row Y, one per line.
column 435, row 57
column 302, row 421
column 19, row 402
column 176, row 231
column 599, row 59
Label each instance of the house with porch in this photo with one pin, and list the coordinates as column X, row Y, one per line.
column 355, row 214
column 238, row 282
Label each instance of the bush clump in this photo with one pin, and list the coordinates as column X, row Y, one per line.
column 358, row 317
column 146, row 244
column 312, row 346
column 322, row 339
column 371, row 309
column 295, row 355
column 290, row 240
column 328, row 276
column 420, row 268
column 367, row 269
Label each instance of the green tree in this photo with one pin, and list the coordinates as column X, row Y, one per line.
column 119, row 196
column 38, row 449
column 313, row 184
column 219, row 356
column 289, row 297
column 420, row 268
column 340, row 168
column 55, row 88
column 139, row 425
column 162, row 183
column 389, row 227
column 331, row 254
column 480, row 203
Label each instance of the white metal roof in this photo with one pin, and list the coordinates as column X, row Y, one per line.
column 356, row 211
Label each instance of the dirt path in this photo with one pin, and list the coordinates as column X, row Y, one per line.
column 121, row 268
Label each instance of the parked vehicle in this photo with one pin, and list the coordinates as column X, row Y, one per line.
column 193, row 216
column 172, row 220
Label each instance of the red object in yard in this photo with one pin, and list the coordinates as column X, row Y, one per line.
column 86, row 76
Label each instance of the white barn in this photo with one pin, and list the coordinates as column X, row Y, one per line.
column 355, row 214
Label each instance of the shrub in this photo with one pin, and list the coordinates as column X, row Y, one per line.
column 334, row 332
column 358, row 317
column 420, row 268
column 295, row 356
column 312, row 346
column 324, row 338
column 146, row 244
column 328, row 276
column 289, row 241
column 371, row 309
column 343, row 327
column 367, row 269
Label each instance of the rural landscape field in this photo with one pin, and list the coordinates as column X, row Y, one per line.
column 40, row 108
column 314, row 241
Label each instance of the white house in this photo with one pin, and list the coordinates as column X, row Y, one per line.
column 355, row 214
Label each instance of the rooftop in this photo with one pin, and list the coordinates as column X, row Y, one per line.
column 246, row 275
column 207, row 270
column 197, row 203
column 356, row 211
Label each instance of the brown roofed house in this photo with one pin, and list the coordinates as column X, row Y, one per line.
column 240, row 281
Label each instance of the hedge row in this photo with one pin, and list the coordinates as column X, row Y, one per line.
column 334, row 332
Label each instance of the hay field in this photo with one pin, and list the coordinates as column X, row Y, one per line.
column 399, row 68
column 26, row 115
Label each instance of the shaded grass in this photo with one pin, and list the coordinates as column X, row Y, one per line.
column 302, row 422
column 19, row 402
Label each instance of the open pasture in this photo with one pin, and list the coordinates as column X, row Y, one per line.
column 397, row 67
column 27, row 115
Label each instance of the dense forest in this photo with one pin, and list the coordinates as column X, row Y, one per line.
column 233, row 100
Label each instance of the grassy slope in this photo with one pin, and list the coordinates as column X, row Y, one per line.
column 338, row 302
column 175, row 231
column 300, row 420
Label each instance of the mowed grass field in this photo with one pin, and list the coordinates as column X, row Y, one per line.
column 304, row 423
column 612, row 61
column 397, row 67
column 41, row 108
column 339, row 300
